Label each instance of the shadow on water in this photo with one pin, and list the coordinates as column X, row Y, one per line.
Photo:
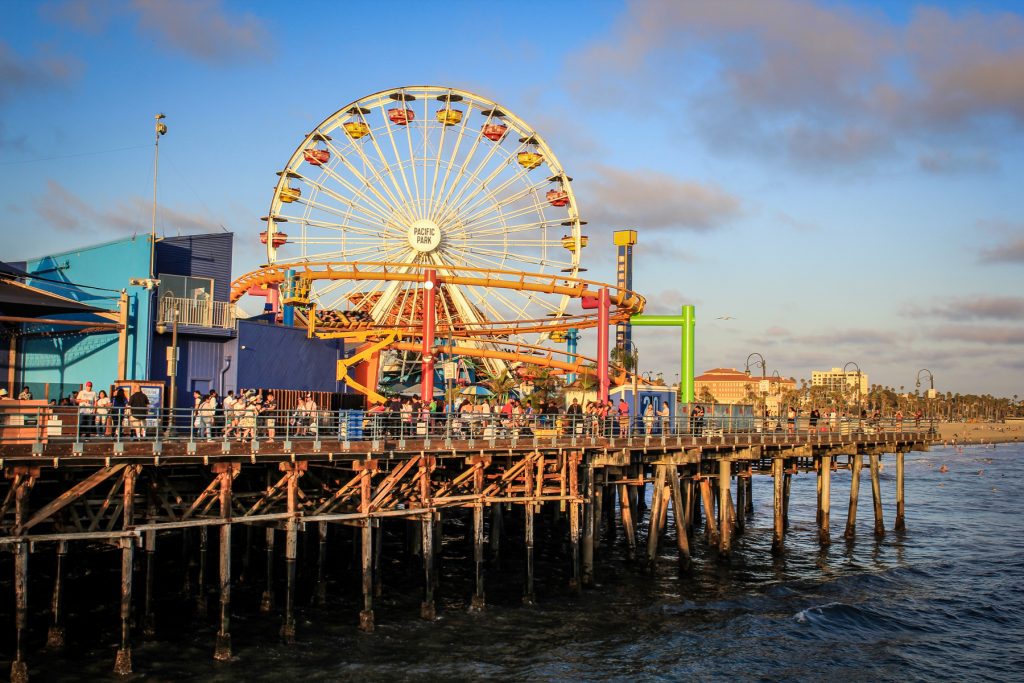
column 941, row 601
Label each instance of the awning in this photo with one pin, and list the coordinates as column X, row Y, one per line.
column 17, row 299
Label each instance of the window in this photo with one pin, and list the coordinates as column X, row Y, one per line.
column 186, row 287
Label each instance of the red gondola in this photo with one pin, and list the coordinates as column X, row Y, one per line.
column 279, row 239
column 494, row 131
column 315, row 156
column 558, row 197
column 401, row 117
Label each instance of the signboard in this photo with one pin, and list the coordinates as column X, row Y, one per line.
column 764, row 386
column 154, row 391
column 451, row 371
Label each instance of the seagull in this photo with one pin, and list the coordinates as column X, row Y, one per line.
column 725, row 317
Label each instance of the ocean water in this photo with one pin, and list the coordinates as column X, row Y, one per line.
column 943, row 601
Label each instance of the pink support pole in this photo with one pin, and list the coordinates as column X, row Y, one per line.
column 604, row 305
column 429, row 322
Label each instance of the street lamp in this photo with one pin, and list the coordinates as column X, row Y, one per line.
column 858, row 382
column 172, row 363
column 761, row 388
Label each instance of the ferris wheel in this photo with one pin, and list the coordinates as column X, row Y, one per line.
column 426, row 176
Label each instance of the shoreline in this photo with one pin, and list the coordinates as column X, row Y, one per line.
column 977, row 433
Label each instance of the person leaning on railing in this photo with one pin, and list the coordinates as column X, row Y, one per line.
column 138, row 407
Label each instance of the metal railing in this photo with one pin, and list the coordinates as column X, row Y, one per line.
column 54, row 424
column 198, row 312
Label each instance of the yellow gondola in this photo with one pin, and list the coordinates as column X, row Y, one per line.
column 530, row 160
column 449, row 117
column 569, row 242
column 290, row 194
column 356, row 129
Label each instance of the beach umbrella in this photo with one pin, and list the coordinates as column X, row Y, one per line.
column 476, row 390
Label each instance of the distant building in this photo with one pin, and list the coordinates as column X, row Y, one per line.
column 729, row 385
column 836, row 379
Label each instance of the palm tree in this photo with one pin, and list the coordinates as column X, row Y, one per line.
column 500, row 383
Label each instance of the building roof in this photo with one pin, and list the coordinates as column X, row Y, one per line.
column 17, row 299
column 724, row 375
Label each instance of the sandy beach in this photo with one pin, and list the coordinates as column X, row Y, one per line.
column 981, row 432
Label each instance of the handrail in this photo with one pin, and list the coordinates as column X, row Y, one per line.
column 197, row 312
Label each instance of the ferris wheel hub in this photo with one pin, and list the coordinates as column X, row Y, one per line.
column 424, row 235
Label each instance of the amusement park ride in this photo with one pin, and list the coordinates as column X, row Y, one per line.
column 423, row 221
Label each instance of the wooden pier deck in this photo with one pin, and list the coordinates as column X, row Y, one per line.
column 132, row 493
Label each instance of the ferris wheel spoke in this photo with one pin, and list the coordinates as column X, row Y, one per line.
column 386, row 203
column 410, row 199
column 387, row 298
column 482, row 208
column 456, row 182
column 445, row 190
column 503, row 222
column 390, row 203
column 417, row 197
column 483, row 184
column 368, row 207
column 459, row 133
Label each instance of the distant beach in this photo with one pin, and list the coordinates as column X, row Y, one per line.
column 981, row 432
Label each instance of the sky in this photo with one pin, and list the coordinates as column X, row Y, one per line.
column 827, row 182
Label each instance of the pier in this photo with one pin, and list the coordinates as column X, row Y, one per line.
column 215, row 498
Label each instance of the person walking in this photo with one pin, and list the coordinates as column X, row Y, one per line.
column 665, row 417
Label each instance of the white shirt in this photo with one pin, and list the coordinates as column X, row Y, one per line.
column 86, row 400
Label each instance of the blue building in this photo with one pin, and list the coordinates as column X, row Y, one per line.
column 177, row 289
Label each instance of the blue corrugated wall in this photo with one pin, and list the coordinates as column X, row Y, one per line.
column 199, row 256
column 72, row 360
column 282, row 358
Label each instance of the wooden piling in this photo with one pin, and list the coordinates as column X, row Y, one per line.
column 365, row 497
column 267, row 600
column 856, row 463
column 749, row 483
column 679, row 517
column 428, row 610
column 148, row 618
column 710, row 525
column 742, row 476
column 222, row 647
column 497, row 524
column 575, row 511
column 201, row 604
column 478, row 601
column 123, row 662
column 626, row 513
column 876, row 495
column 591, row 517
column 901, row 524
column 529, row 598
column 657, row 501
column 778, row 526
column 291, row 528
column 19, row 668
column 690, row 505
column 56, row 634
column 724, row 502
column 825, row 478
column 787, row 486
column 320, row 596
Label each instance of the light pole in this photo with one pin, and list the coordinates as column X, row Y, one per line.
column 172, row 365
column 931, row 385
column 761, row 388
column 161, row 129
column 858, row 382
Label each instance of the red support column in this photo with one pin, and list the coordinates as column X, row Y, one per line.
column 429, row 322
column 603, row 314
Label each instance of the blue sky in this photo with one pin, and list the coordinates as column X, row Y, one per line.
column 844, row 179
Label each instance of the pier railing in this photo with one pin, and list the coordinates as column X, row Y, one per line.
column 40, row 425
